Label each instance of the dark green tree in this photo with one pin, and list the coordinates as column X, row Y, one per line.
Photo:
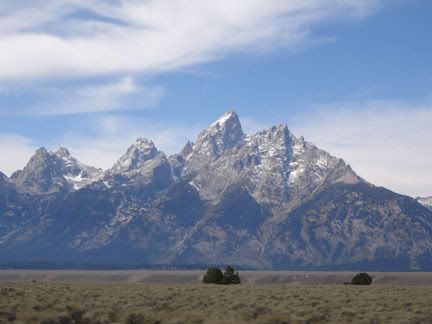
column 230, row 277
column 213, row 275
column 361, row 279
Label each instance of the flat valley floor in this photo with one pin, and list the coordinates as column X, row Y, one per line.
column 179, row 297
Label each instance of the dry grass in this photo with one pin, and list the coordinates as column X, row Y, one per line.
column 196, row 303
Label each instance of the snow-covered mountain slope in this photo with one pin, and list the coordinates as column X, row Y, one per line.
column 134, row 159
column 49, row 172
column 427, row 202
column 222, row 135
column 75, row 172
column 141, row 164
column 274, row 165
column 264, row 200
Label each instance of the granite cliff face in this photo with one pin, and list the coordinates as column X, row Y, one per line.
column 267, row 200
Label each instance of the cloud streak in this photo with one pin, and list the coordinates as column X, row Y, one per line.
column 16, row 152
column 122, row 94
column 99, row 140
column 111, row 135
column 132, row 36
column 387, row 143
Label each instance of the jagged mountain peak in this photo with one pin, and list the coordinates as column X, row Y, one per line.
column 144, row 143
column 143, row 147
column 136, row 155
column 263, row 200
column 142, row 165
column 48, row 172
column 63, row 152
column 227, row 117
column 41, row 174
column 39, row 157
column 187, row 149
column 41, row 151
column 277, row 167
column 276, row 134
column 223, row 134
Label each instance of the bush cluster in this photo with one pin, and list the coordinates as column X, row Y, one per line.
column 228, row 277
column 360, row 279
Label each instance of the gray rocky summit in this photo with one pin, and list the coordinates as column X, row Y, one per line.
column 53, row 172
column 268, row 200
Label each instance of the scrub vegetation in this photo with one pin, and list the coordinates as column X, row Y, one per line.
column 45, row 302
column 215, row 276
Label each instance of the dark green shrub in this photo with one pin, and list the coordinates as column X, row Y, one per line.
column 361, row 279
column 213, row 275
column 230, row 277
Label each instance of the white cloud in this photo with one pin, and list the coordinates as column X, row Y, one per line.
column 387, row 143
column 131, row 36
column 16, row 152
column 99, row 141
column 124, row 94
column 112, row 135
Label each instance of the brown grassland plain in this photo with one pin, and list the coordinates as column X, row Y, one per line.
column 48, row 302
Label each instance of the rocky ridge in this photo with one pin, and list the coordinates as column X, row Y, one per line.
column 265, row 200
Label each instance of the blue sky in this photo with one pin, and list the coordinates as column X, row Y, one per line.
column 352, row 76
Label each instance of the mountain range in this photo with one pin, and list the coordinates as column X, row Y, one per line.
column 269, row 200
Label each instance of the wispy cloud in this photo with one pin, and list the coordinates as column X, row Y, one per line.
column 132, row 36
column 99, row 140
column 51, row 42
column 386, row 142
column 111, row 135
column 122, row 94
column 16, row 152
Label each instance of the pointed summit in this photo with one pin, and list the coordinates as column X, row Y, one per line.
column 41, row 174
column 145, row 145
column 225, row 133
column 63, row 152
column 40, row 153
column 227, row 117
column 49, row 172
column 136, row 155
column 142, row 164
column 187, row 149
